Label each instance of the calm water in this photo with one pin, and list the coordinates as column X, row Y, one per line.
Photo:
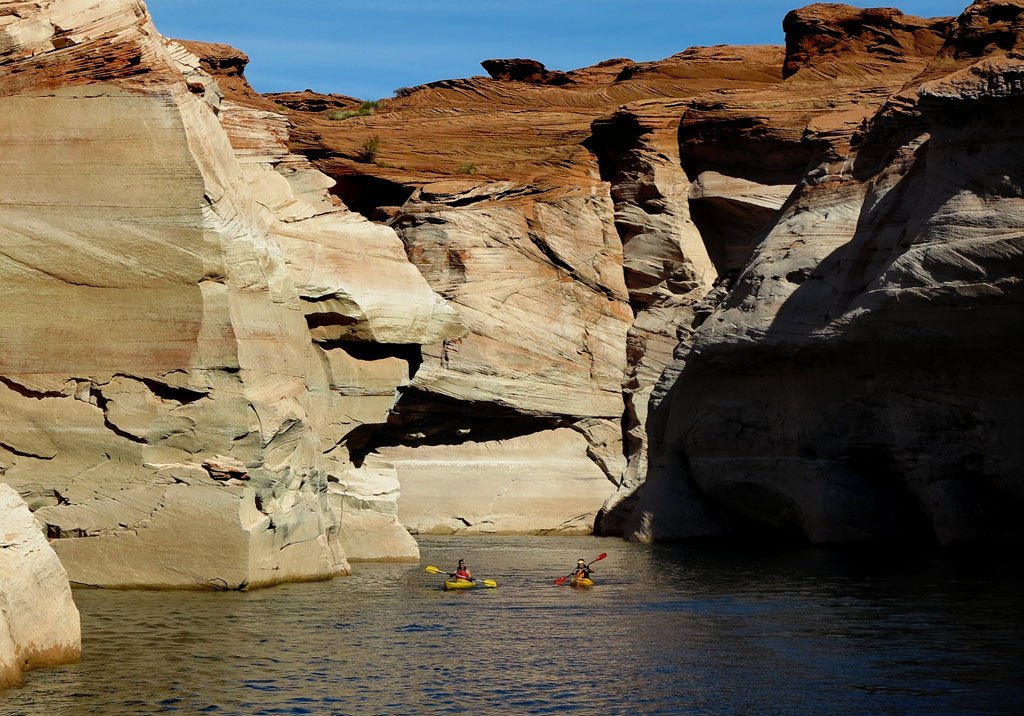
column 667, row 630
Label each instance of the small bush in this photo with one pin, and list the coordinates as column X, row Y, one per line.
column 467, row 168
column 365, row 109
column 368, row 149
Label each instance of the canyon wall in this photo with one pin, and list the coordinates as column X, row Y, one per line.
column 249, row 338
column 858, row 382
column 535, row 365
column 192, row 324
column 211, row 369
column 153, row 378
column 567, row 250
column 703, row 156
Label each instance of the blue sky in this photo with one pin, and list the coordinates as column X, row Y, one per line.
column 369, row 48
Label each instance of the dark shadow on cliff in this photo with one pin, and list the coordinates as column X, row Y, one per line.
column 421, row 418
column 883, row 416
column 366, row 194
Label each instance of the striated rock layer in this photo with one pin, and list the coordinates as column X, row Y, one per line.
column 39, row 623
column 367, row 309
column 151, row 323
column 860, row 379
column 536, row 346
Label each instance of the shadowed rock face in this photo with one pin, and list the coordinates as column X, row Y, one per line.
column 730, row 164
column 836, row 394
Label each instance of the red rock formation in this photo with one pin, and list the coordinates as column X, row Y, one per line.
column 228, row 65
column 833, row 41
column 519, row 70
column 310, row 101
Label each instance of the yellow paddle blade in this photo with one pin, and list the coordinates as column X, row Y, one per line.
column 489, row 582
column 434, row 570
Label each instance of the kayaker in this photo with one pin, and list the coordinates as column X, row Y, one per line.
column 462, row 572
column 582, row 569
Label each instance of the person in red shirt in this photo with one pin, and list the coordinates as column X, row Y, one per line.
column 462, row 572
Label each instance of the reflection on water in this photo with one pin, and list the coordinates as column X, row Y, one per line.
column 667, row 630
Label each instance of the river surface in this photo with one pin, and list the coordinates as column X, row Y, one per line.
column 666, row 630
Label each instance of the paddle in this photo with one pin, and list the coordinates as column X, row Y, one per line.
column 485, row 582
column 562, row 580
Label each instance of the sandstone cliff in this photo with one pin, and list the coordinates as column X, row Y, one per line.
column 151, row 324
column 858, row 381
column 39, row 623
column 193, row 324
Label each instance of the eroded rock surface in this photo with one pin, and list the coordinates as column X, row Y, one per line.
column 566, row 216
column 39, row 623
column 533, row 267
column 176, row 423
column 150, row 322
column 499, row 190
column 480, row 345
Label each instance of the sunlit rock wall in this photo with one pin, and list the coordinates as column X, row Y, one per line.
column 368, row 311
column 151, row 330
column 512, row 427
column 39, row 623
column 533, row 274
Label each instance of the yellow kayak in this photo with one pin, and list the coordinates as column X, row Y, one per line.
column 582, row 582
column 458, row 584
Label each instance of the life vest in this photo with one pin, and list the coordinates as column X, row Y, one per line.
column 462, row 574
